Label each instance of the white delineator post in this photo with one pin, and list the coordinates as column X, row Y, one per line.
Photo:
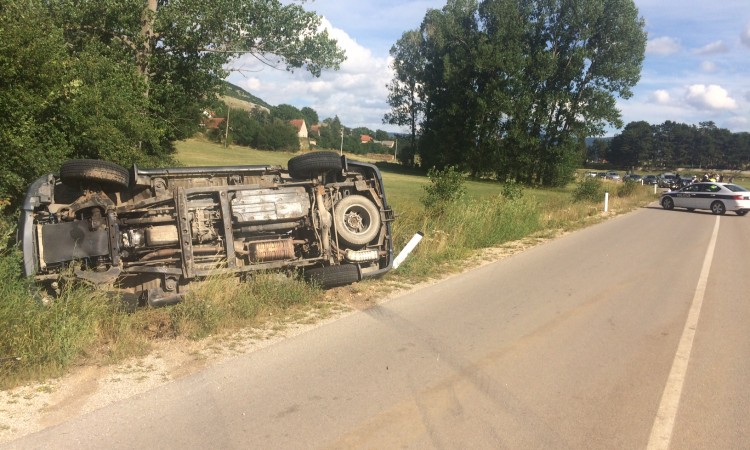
column 407, row 249
column 606, row 201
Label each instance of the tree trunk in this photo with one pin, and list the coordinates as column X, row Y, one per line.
column 147, row 35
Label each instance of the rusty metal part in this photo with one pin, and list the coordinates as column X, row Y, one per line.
column 275, row 250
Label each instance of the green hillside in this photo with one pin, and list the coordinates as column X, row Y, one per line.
column 236, row 92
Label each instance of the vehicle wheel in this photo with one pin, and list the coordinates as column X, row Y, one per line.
column 333, row 276
column 667, row 203
column 718, row 208
column 311, row 165
column 85, row 171
column 357, row 220
column 741, row 212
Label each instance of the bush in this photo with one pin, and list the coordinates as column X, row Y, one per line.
column 512, row 190
column 446, row 187
column 627, row 189
column 589, row 190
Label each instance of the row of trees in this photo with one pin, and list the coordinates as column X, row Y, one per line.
column 270, row 129
column 511, row 88
column 674, row 144
column 122, row 80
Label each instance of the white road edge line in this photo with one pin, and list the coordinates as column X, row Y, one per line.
column 661, row 432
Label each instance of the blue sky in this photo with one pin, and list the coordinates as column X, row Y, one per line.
column 697, row 65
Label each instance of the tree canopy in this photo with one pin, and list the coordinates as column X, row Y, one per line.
column 511, row 88
column 672, row 144
column 123, row 79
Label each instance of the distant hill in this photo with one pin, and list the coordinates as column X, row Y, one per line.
column 234, row 91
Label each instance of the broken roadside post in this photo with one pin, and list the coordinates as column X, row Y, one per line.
column 407, row 249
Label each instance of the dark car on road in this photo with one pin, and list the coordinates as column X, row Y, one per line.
column 633, row 178
column 150, row 232
column 650, row 179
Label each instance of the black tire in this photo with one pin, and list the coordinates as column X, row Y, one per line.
column 357, row 220
column 667, row 203
column 87, row 171
column 333, row 276
column 311, row 165
column 741, row 212
column 718, row 208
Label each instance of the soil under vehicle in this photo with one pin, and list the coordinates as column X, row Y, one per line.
column 150, row 232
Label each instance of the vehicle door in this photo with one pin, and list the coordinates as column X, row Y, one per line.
column 683, row 197
column 709, row 192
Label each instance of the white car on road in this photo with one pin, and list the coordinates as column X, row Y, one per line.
column 716, row 197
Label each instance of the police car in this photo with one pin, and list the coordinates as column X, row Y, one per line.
column 715, row 197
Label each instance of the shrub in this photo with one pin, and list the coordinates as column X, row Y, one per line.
column 589, row 190
column 627, row 189
column 446, row 187
column 512, row 190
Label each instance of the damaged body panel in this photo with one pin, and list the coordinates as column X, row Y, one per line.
column 150, row 232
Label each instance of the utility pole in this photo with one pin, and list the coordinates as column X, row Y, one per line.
column 395, row 152
column 341, row 150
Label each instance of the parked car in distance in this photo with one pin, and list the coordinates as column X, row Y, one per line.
column 668, row 180
column 632, row 177
column 151, row 232
column 614, row 176
column 650, row 179
column 590, row 175
column 715, row 197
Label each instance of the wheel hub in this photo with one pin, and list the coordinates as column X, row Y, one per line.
column 354, row 222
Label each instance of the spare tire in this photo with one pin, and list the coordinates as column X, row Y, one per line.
column 357, row 220
column 311, row 165
column 94, row 171
column 333, row 276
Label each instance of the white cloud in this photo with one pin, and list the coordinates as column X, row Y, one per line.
column 745, row 35
column 356, row 93
column 663, row 46
column 713, row 48
column 739, row 122
column 708, row 66
column 253, row 84
column 709, row 97
column 661, row 97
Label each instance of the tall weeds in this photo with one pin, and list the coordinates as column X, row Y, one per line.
column 454, row 232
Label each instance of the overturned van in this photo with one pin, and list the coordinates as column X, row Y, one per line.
column 151, row 232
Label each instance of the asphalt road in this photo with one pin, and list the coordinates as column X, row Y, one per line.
column 630, row 334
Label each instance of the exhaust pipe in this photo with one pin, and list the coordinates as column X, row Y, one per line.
column 156, row 298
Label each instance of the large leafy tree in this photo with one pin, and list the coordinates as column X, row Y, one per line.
column 310, row 115
column 286, row 112
column 405, row 94
column 124, row 79
column 514, row 86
